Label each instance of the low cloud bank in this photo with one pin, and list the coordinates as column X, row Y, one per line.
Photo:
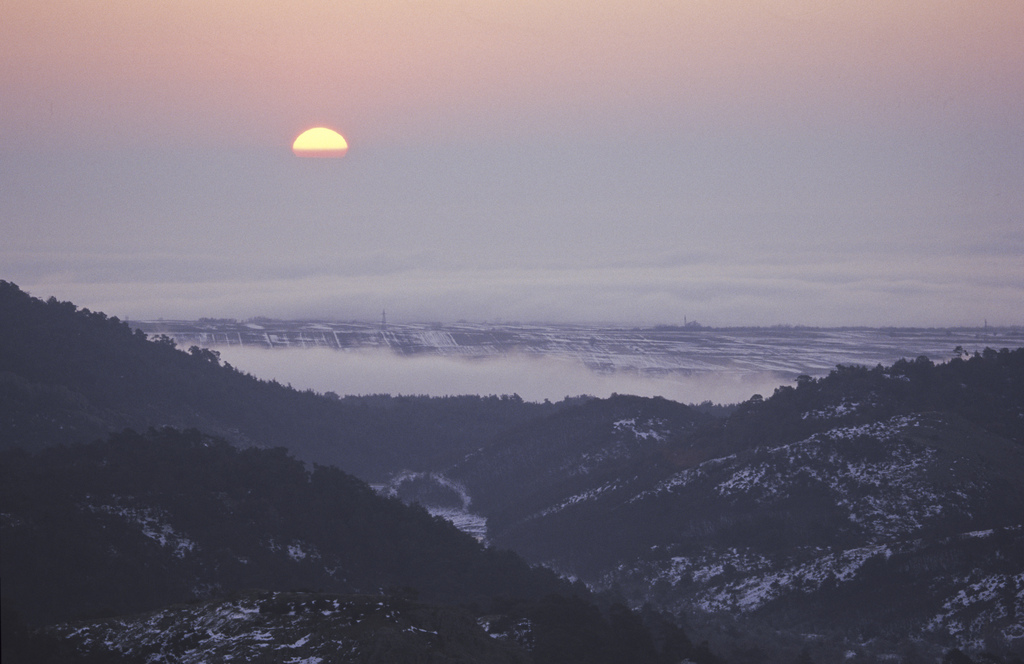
column 908, row 290
column 532, row 378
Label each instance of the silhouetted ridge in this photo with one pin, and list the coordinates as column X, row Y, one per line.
column 71, row 375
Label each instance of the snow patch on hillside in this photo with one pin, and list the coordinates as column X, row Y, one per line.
column 881, row 480
column 299, row 551
column 651, row 429
column 154, row 524
column 682, row 478
column 590, row 494
column 462, row 516
column 627, row 436
column 743, row 581
column 980, row 601
column 269, row 627
column 845, row 407
column 882, row 430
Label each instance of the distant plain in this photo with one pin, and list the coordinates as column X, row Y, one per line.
column 690, row 364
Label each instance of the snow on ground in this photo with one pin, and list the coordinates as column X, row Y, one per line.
column 832, row 412
column 462, row 517
column 653, row 429
column 683, row 478
column 727, row 362
column 590, row 494
column 437, row 339
column 152, row 522
column 464, row 520
column 888, row 493
column 978, row 603
column 742, row 581
column 247, row 629
column 767, row 472
column 299, row 551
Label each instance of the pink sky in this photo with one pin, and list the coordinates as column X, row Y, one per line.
column 797, row 161
column 415, row 70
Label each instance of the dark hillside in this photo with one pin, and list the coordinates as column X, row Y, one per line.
column 875, row 511
column 877, row 505
column 162, row 521
column 552, row 458
column 606, row 443
column 70, row 375
column 139, row 521
column 986, row 389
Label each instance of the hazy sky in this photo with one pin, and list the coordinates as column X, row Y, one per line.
column 756, row 162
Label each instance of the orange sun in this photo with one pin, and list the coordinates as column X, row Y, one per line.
column 320, row 142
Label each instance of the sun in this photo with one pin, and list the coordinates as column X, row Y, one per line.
column 320, row 142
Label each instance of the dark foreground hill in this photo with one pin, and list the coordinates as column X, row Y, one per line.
column 144, row 521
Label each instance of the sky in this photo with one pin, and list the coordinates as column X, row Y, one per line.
column 752, row 162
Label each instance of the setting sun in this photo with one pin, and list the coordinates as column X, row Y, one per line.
column 320, row 142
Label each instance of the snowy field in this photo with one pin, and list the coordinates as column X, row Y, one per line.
column 686, row 363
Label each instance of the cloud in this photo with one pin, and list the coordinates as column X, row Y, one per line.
column 381, row 372
column 898, row 291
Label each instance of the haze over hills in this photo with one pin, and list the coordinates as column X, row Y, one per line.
column 873, row 511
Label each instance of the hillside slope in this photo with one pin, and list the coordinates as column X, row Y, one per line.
column 71, row 375
column 142, row 520
column 877, row 505
column 157, row 522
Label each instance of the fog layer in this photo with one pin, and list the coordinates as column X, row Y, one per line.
column 382, row 372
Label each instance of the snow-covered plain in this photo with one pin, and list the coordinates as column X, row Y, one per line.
column 688, row 364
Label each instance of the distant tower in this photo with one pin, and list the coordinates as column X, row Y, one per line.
column 384, row 320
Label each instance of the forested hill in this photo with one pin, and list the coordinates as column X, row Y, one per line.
column 71, row 375
column 985, row 388
column 875, row 510
column 144, row 522
column 592, row 451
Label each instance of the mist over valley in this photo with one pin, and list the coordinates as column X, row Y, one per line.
column 687, row 363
